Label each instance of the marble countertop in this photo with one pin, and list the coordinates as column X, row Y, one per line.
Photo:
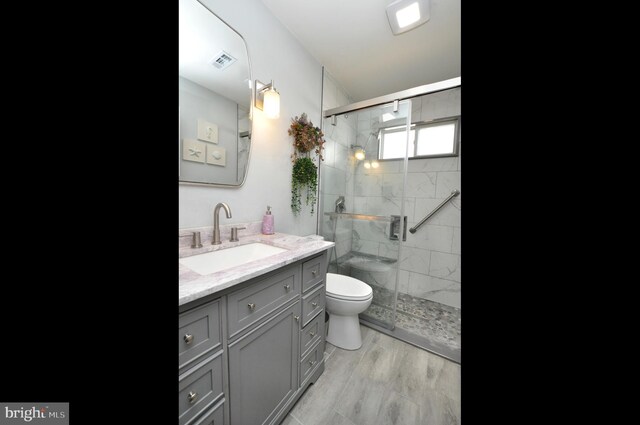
column 193, row 286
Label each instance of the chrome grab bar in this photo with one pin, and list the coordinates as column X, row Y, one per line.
column 454, row 193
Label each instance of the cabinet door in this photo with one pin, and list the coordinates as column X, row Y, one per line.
column 263, row 369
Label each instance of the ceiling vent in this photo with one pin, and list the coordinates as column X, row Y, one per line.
column 222, row 60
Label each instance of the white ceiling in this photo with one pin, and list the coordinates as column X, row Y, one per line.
column 354, row 42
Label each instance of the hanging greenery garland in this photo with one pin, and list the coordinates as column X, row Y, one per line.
column 304, row 176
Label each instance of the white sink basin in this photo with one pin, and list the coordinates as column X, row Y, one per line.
column 222, row 259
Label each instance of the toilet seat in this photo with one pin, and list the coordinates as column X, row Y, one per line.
column 347, row 288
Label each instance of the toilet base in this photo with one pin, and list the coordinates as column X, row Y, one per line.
column 344, row 332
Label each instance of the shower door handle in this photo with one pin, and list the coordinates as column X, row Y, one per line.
column 394, row 228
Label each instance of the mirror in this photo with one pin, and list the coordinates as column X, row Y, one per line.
column 214, row 99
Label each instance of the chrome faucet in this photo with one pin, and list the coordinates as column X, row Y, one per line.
column 216, row 222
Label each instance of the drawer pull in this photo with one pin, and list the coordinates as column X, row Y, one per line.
column 297, row 318
column 287, row 287
column 192, row 397
column 312, row 334
column 188, row 338
column 311, row 363
column 313, row 272
column 314, row 304
column 251, row 306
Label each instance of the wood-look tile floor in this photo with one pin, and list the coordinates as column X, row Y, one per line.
column 385, row 382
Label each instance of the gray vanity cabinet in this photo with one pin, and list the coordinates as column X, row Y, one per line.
column 247, row 353
column 200, row 363
column 263, row 368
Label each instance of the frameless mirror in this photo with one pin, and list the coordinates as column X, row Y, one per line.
column 214, row 99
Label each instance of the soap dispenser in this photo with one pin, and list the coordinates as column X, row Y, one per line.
column 267, row 222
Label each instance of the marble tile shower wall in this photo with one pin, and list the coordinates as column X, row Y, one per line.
column 337, row 168
column 430, row 263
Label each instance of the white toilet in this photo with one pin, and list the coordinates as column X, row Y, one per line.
column 346, row 298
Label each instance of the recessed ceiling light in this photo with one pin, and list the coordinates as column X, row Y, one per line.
column 404, row 15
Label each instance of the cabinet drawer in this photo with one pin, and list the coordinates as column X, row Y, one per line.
column 198, row 333
column 310, row 362
column 311, row 334
column 199, row 388
column 312, row 272
column 215, row 416
column 248, row 305
column 312, row 303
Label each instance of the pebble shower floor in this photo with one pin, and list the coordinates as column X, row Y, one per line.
column 437, row 323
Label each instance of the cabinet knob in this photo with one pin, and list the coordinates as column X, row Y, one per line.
column 297, row 318
column 287, row 287
column 313, row 272
column 314, row 304
column 192, row 397
column 188, row 338
column 312, row 334
column 252, row 306
column 311, row 363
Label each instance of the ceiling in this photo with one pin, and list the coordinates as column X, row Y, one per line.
column 354, row 42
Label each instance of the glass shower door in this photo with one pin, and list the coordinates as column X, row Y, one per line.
column 363, row 202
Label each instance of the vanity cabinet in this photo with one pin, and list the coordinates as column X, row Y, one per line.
column 254, row 348
column 263, row 369
column 200, row 362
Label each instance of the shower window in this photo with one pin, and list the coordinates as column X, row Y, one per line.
column 434, row 139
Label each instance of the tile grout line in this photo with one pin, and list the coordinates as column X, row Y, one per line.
column 294, row 417
column 350, row 422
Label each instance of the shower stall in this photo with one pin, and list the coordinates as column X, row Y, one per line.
column 390, row 199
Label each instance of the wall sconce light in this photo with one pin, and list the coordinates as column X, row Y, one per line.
column 358, row 152
column 267, row 99
column 371, row 164
column 405, row 15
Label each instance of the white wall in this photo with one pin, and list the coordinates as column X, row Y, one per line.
column 274, row 54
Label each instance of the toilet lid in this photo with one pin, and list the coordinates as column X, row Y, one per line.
column 347, row 288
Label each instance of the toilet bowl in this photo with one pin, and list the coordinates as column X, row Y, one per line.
column 346, row 298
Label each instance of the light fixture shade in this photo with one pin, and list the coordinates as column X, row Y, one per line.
column 267, row 99
column 359, row 154
column 405, row 15
column 367, row 165
column 272, row 103
column 374, row 164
